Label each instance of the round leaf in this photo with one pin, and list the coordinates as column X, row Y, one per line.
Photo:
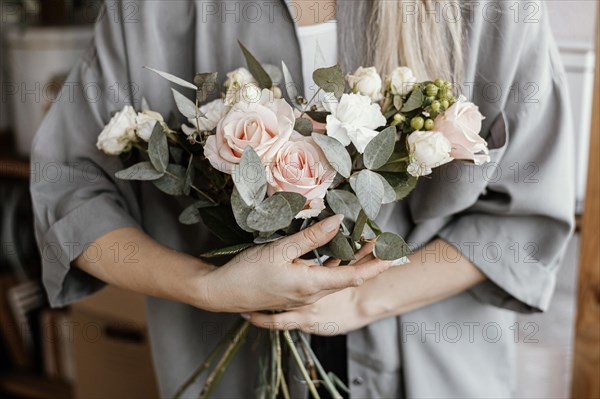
column 336, row 153
column 369, row 190
column 390, row 246
column 380, row 148
column 272, row 214
column 250, row 178
column 139, row 171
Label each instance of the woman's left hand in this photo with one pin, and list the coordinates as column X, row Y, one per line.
column 334, row 314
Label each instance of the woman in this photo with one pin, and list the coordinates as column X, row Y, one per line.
column 438, row 327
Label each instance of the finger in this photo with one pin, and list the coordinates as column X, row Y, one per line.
column 366, row 259
column 337, row 278
column 312, row 237
column 332, row 262
column 365, row 250
column 278, row 321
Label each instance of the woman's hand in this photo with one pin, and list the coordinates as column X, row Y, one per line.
column 272, row 277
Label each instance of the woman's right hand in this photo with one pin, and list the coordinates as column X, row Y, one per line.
column 273, row 277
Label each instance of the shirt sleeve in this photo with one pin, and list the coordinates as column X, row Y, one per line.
column 76, row 198
column 517, row 229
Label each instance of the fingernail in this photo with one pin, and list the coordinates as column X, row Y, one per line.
column 245, row 315
column 332, row 223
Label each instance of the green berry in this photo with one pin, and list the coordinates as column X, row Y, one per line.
column 445, row 104
column 399, row 118
column 417, row 123
column 429, row 124
column 435, row 106
column 439, row 83
column 431, row 90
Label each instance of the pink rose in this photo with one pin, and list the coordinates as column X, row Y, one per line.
column 265, row 125
column 461, row 124
column 301, row 167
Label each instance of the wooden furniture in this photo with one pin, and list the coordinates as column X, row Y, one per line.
column 586, row 367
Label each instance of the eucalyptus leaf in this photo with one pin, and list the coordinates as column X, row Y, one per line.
column 343, row 202
column 398, row 102
column 176, row 154
column 290, row 86
column 380, row 148
column 339, row 247
column 220, row 221
column 184, row 105
column 189, row 177
column 240, row 210
column 331, row 80
column 402, row 183
column 369, row 191
column 250, row 178
column 415, row 100
column 390, row 246
column 296, row 201
column 173, row 78
column 318, row 116
column 303, row 126
column 172, row 181
column 272, row 214
column 139, row 171
column 158, row 148
column 191, row 214
column 206, row 83
column 336, row 153
column 256, row 69
column 389, row 194
column 227, row 251
column 359, row 226
column 267, row 239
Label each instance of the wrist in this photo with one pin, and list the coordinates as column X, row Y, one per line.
column 195, row 287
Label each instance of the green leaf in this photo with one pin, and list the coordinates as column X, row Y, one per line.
column 343, row 203
column 176, row 154
column 390, row 246
column 415, row 101
column 172, row 181
column 206, row 83
column 272, row 214
column 158, row 148
column 220, row 221
column 256, row 69
column 189, row 177
column 380, row 148
column 359, row 226
column 184, row 105
column 227, row 251
column 139, row 171
column 369, row 191
column 397, row 102
column 339, row 247
column 389, row 194
column 331, row 80
column 240, row 210
column 250, row 178
column 303, row 126
column 318, row 116
column 296, row 201
column 402, row 183
column 336, row 153
column 290, row 86
column 191, row 214
column 173, row 78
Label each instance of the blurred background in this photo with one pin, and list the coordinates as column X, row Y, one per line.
column 98, row 348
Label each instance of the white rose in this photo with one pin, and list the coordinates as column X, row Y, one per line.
column 427, row 150
column 241, row 85
column 354, row 119
column 213, row 112
column 366, row 81
column 145, row 122
column 401, row 81
column 117, row 136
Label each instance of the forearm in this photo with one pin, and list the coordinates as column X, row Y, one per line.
column 148, row 267
column 435, row 272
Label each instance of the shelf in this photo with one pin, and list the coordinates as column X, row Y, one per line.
column 12, row 165
column 32, row 386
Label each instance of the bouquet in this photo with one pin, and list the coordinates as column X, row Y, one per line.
column 260, row 167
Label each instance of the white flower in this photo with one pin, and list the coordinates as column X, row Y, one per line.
column 213, row 112
column 117, row 136
column 354, row 119
column 401, row 81
column 145, row 122
column 241, row 85
column 312, row 209
column 366, row 81
column 427, row 150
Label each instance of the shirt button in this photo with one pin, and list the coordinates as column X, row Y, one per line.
column 357, row 381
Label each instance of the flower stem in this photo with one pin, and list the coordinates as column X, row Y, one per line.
column 296, row 355
column 329, row 385
column 215, row 376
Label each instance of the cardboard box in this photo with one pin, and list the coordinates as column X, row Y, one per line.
column 111, row 345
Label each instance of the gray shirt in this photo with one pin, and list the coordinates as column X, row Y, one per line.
column 512, row 217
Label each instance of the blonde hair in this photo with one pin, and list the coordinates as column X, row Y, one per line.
column 425, row 35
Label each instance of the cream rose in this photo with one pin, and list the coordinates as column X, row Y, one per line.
column 427, row 150
column 118, row 135
column 265, row 126
column 461, row 124
column 366, row 81
column 354, row 119
column 145, row 122
column 213, row 112
column 401, row 81
column 301, row 167
column 241, row 86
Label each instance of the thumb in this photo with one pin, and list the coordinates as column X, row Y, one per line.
column 314, row 236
